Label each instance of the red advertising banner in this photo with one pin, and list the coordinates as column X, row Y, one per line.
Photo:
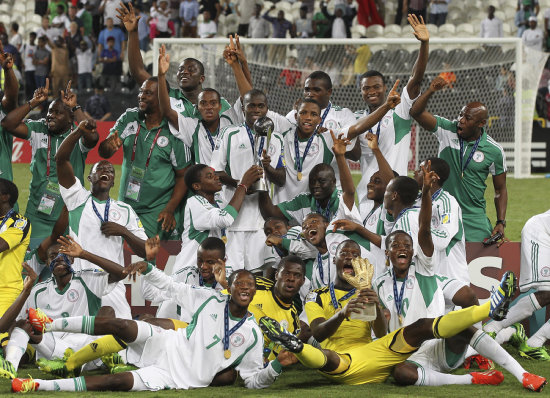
column 22, row 151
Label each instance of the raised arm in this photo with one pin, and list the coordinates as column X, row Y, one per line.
column 348, row 225
column 239, row 52
column 386, row 172
column 346, row 180
column 164, row 99
column 267, row 208
column 135, row 62
column 425, row 217
column 367, row 122
column 11, row 87
column 418, row 110
column 69, row 99
column 422, row 34
column 229, row 55
column 58, row 229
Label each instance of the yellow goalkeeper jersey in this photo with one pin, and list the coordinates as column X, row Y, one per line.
column 16, row 232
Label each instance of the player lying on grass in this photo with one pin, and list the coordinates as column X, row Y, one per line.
column 66, row 293
column 411, row 279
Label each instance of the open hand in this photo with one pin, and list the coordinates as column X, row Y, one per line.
column 339, row 144
column 420, row 29
column 69, row 246
column 152, row 247
column 164, row 61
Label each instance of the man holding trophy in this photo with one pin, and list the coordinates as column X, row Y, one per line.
column 239, row 148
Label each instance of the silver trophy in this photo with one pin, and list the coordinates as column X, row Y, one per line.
column 263, row 127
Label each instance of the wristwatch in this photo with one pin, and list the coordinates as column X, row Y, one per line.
column 503, row 222
column 74, row 109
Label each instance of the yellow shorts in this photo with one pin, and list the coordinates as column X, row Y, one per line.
column 7, row 298
column 373, row 362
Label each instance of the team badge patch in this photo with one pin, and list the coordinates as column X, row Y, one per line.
column 140, row 225
column 72, row 295
column 114, row 215
column 311, row 296
column 545, row 272
column 236, row 339
column 446, row 218
column 478, row 157
column 333, row 247
column 410, row 282
column 330, row 124
column 271, row 150
column 313, row 150
column 20, row 224
column 162, row 141
column 386, row 121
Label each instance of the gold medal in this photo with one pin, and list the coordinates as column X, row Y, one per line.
column 224, row 239
column 400, row 317
column 299, row 176
column 227, row 354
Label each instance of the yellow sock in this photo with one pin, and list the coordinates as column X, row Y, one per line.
column 96, row 349
column 4, row 339
column 312, row 357
column 30, row 352
column 456, row 321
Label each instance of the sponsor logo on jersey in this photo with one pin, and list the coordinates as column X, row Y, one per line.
column 162, row 141
column 214, row 316
column 311, row 296
column 72, row 295
column 20, row 224
column 236, row 339
column 478, row 157
column 114, row 215
column 390, row 298
column 410, row 282
column 446, row 218
column 64, row 324
column 545, row 271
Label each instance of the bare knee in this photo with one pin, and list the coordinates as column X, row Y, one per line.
column 543, row 298
column 465, row 297
column 405, row 374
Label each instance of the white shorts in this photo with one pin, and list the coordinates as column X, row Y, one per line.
column 117, row 300
column 450, row 287
column 245, row 249
column 139, row 352
column 535, row 261
column 152, row 378
column 434, row 355
column 54, row 344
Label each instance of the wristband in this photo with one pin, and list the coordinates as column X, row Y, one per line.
column 244, row 186
column 503, row 222
column 149, row 268
column 76, row 108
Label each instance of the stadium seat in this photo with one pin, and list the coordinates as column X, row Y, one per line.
column 433, row 29
column 510, row 13
column 5, row 9
column 19, row 7
column 447, row 30
column 267, row 5
column 375, row 31
column 36, row 18
column 455, row 17
column 361, row 29
column 392, row 31
column 285, row 6
column 296, row 5
column 507, row 30
column 465, row 30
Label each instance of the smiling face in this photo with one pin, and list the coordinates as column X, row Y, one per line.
column 148, row 98
column 58, row 118
column 308, row 117
column 209, row 182
column 275, row 227
column 102, row 175
column 205, row 263
column 322, row 184
column 376, row 188
column 345, row 253
column 209, row 106
column 254, row 107
column 373, row 91
column 289, row 280
column 243, row 289
column 400, row 252
column 60, row 268
column 389, row 197
column 189, row 75
column 314, row 229
column 470, row 121
column 317, row 90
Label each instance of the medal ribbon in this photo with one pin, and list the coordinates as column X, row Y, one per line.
column 336, row 303
column 370, row 214
column 462, row 152
column 150, row 150
column 398, row 298
column 201, row 281
column 325, row 212
column 227, row 332
column 48, row 160
column 251, row 138
column 210, row 135
column 106, row 213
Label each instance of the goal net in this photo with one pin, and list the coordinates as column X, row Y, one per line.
column 496, row 72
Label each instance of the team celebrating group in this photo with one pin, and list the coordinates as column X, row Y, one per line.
column 266, row 277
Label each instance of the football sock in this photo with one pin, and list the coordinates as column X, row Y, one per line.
column 489, row 348
column 312, row 357
column 74, row 384
column 504, row 335
column 456, row 321
column 179, row 324
column 73, row 324
column 429, row 377
column 520, row 310
column 17, row 346
column 539, row 338
column 46, row 347
column 96, row 349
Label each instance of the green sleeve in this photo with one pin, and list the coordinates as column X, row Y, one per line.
column 299, row 202
column 182, row 153
column 34, row 125
column 120, row 125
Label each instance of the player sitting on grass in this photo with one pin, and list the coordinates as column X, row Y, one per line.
column 66, row 293
column 182, row 359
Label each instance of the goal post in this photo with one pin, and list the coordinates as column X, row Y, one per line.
column 498, row 72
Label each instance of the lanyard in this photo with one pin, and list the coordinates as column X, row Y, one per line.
column 399, row 216
column 150, row 150
column 326, row 211
column 201, row 281
column 210, row 135
column 251, row 138
column 436, row 194
column 106, row 213
column 299, row 161
column 227, row 332
column 398, row 298
column 377, row 132
column 325, row 114
column 462, row 151
column 336, row 303
column 370, row 214
column 6, row 218
column 320, row 267
column 49, row 156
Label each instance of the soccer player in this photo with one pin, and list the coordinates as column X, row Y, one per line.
column 153, row 166
column 97, row 222
column 45, row 136
column 233, row 156
column 66, row 293
column 534, row 275
column 393, row 130
column 190, row 73
column 222, row 334
column 9, row 316
column 7, row 104
column 472, row 155
column 203, row 216
column 279, row 235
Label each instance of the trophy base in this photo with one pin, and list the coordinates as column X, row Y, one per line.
column 259, row 186
column 367, row 314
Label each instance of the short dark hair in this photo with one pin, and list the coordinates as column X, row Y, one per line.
column 441, row 167
column 193, row 175
column 292, row 259
column 156, row 80
column 320, row 75
column 199, row 64
column 345, row 242
column 309, row 101
column 8, row 187
column 212, row 90
column 65, row 107
column 15, row 26
column 213, row 243
column 373, row 73
column 322, row 167
column 407, row 188
column 253, row 93
column 303, row 8
column 284, row 220
column 392, row 234
column 319, row 215
column 234, row 274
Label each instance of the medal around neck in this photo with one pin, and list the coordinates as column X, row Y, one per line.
column 263, row 127
column 362, row 279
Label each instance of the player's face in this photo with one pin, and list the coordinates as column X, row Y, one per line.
column 205, row 263
column 254, row 108
column 58, row 118
column 210, row 182
column 315, row 89
column 389, row 195
column 290, row 279
column 343, row 258
column 322, row 184
column 373, row 91
column 275, row 227
column 470, row 121
column 376, row 188
column 148, row 97
column 60, row 268
column 243, row 289
column 400, row 252
column 102, row 175
column 189, row 75
column 308, row 117
column 314, row 229
column 209, row 106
